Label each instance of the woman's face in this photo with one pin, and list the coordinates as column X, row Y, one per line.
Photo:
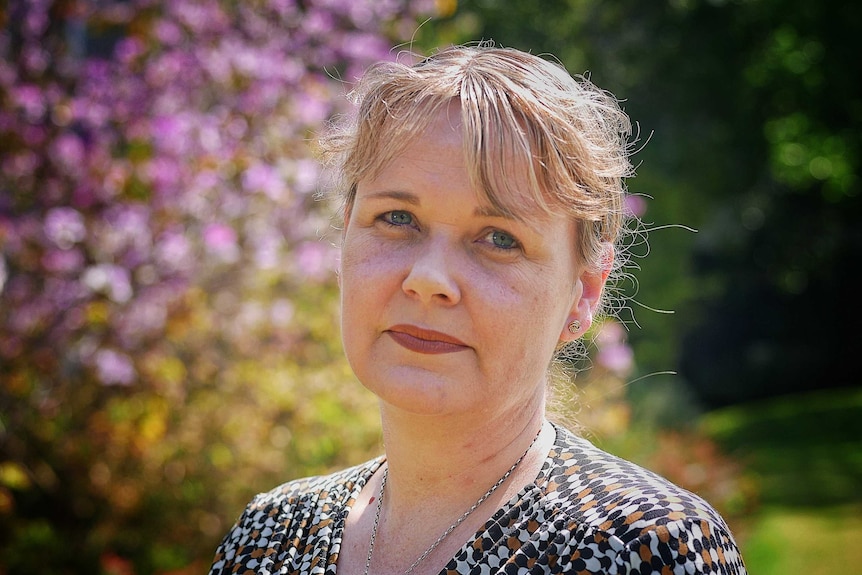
column 448, row 306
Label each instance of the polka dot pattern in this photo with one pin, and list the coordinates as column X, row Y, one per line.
column 588, row 513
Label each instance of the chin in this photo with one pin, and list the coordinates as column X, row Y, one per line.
column 418, row 392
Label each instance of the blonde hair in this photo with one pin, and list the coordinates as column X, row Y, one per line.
column 519, row 113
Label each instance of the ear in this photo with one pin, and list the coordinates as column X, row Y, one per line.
column 588, row 294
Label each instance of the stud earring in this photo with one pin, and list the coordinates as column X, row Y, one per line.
column 575, row 326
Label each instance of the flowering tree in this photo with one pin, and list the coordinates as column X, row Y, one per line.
column 167, row 334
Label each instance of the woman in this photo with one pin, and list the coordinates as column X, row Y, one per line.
column 483, row 193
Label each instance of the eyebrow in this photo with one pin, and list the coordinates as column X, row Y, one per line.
column 407, row 197
column 395, row 195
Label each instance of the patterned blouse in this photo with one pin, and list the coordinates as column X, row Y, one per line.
column 587, row 512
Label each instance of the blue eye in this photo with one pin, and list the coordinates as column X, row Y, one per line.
column 398, row 218
column 503, row 240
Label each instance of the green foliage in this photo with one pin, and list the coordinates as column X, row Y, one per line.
column 804, row 448
column 750, row 118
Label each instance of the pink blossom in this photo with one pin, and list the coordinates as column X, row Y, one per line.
column 173, row 251
column 318, row 22
column 635, row 205
column 614, row 353
column 35, row 58
column 165, row 174
column 110, row 280
column 610, row 333
column 310, row 109
column 306, row 175
column 65, row 227
column 68, row 152
column 144, row 317
column 29, row 98
column 264, row 178
column 63, row 261
column 617, row 357
column 221, row 241
column 114, row 368
column 364, row 46
column 316, row 260
column 128, row 49
column 168, row 32
column 155, row 168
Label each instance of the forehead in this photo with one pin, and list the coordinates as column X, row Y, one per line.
column 501, row 173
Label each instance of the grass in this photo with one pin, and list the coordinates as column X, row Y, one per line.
column 805, row 452
column 786, row 541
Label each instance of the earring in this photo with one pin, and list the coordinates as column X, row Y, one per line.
column 575, row 326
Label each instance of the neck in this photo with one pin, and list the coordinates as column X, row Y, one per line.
column 430, row 455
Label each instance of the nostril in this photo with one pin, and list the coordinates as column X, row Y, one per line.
column 431, row 283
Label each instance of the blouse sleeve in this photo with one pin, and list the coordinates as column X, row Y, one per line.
column 682, row 547
column 253, row 530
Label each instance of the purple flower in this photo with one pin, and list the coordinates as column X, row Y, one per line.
column 618, row 358
column 311, row 109
column 63, row 261
column 128, row 49
column 165, row 174
column 168, row 33
column 363, row 46
column 65, row 227
column 30, row 99
column 611, row 332
column 635, row 205
column 266, row 179
column 68, row 152
column 614, row 353
column 172, row 133
column 221, row 241
column 145, row 317
column 114, row 368
column 173, row 251
column 306, row 175
column 316, row 260
column 111, row 280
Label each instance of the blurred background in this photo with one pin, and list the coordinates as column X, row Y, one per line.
column 169, row 338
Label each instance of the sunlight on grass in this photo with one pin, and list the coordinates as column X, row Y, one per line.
column 789, row 542
column 804, row 451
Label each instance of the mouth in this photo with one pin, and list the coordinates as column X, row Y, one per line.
column 424, row 340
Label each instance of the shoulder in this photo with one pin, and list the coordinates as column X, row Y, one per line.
column 609, row 492
column 638, row 517
column 306, row 508
column 316, row 488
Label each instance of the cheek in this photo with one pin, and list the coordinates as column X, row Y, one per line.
column 366, row 262
column 371, row 275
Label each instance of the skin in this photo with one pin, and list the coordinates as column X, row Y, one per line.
column 450, row 315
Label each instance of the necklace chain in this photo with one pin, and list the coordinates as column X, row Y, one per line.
column 452, row 527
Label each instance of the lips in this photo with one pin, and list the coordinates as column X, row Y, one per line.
column 425, row 341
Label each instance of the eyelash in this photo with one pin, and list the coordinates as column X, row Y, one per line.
column 386, row 218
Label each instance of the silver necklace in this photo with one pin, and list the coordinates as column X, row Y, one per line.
column 452, row 527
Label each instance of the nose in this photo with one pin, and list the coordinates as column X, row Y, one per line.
column 431, row 277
